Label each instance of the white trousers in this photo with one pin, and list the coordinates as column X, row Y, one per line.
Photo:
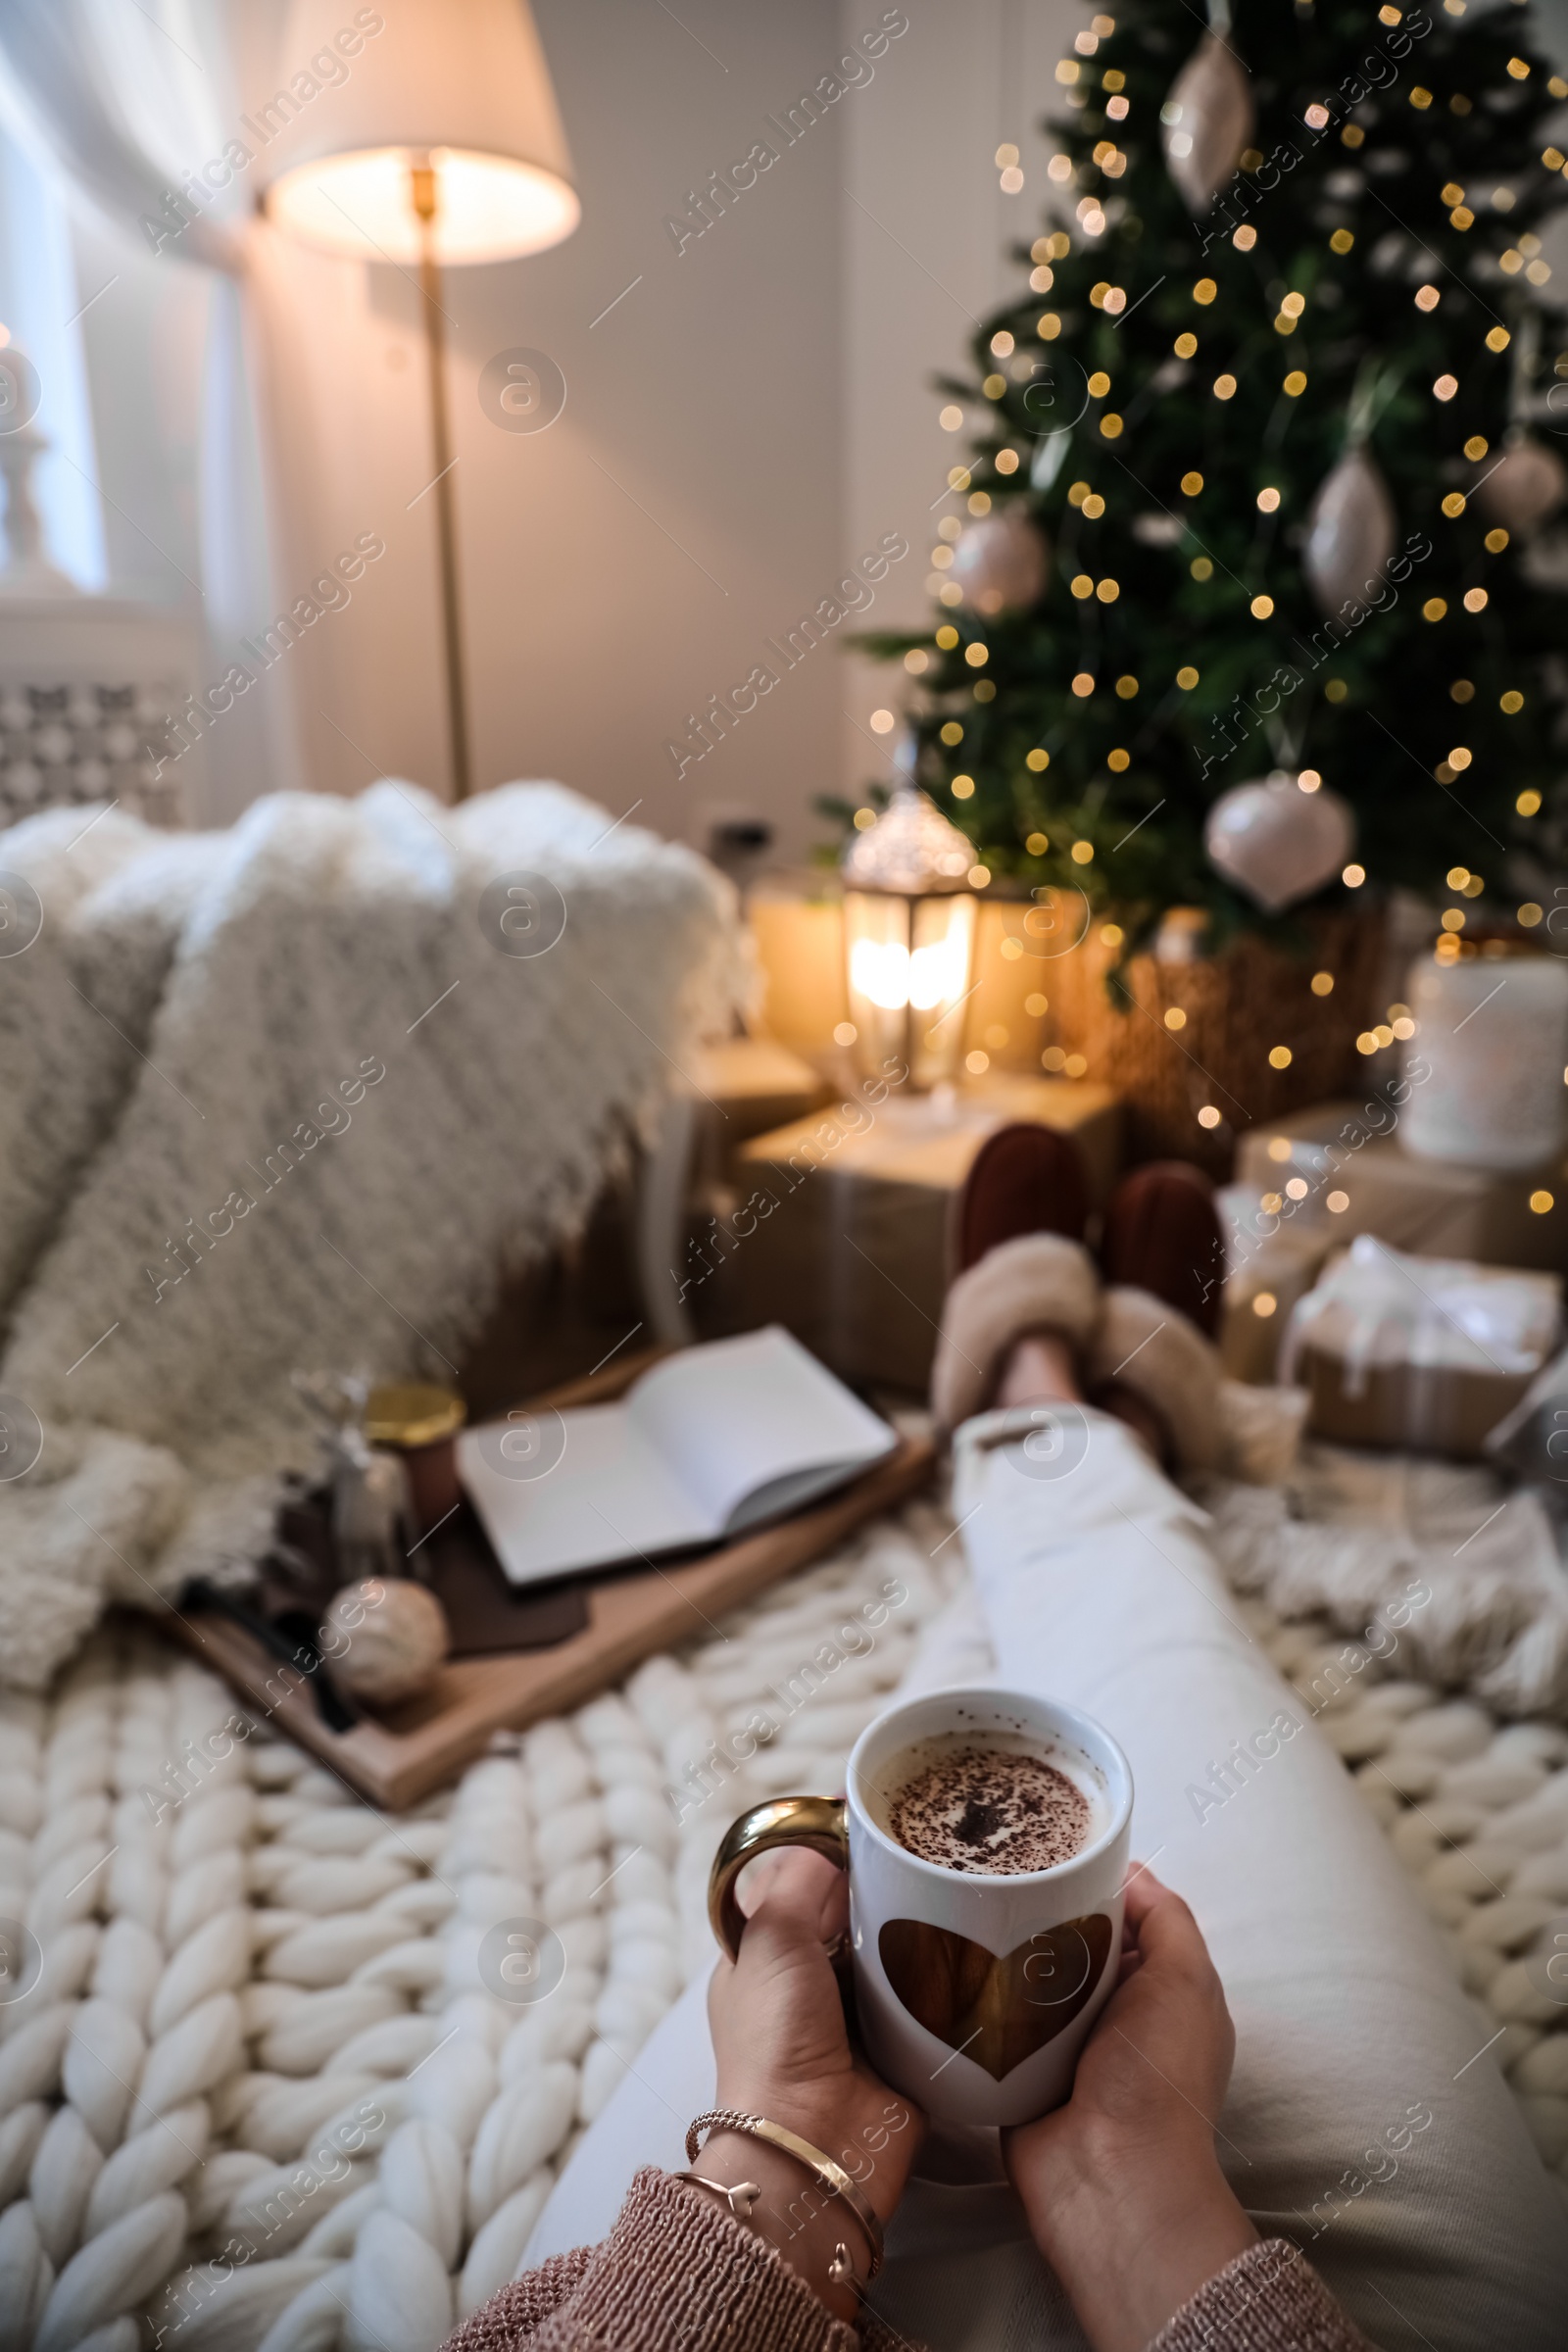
column 1360, row 2123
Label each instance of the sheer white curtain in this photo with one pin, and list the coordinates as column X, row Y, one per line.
column 124, row 99
column 132, row 101
column 42, row 311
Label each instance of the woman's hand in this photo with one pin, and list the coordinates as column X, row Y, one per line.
column 1122, row 2187
column 783, row 2052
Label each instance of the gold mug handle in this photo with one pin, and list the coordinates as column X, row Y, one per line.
column 818, row 1822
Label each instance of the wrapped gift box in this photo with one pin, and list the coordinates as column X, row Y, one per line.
column 840, row 1225
column 797, row 933
column 1357, row 1178
column 742, row 1085
column 1532, row 1439
column 1427, row 1356
column 1270, row 1266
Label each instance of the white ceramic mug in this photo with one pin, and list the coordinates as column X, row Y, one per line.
column 974, row 1993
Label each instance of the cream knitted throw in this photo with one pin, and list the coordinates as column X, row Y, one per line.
column 256, row 2100
column 288, row 1097
column 1348, row 1532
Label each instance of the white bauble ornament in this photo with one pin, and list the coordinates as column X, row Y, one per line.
column 1000, row 563
column 1350, row 531
column 1207, row 122
column 1278, row 842
column 384, row 1639
column 1526, row 484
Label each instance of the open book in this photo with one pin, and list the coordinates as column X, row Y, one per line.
column 704, row 1447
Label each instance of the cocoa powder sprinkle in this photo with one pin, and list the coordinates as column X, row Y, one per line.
column 991, row 1811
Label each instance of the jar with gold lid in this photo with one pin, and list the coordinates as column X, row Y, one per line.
column 420, row 1422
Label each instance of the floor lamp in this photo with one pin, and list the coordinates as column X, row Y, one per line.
column 438, row 145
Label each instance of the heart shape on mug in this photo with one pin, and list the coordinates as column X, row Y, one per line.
column 998, row 2008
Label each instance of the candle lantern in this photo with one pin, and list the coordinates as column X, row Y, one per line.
column 909, row 938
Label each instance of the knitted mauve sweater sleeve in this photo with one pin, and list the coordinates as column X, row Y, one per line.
column 514, row 2314
column 675, row 2275
column 1269, row 2299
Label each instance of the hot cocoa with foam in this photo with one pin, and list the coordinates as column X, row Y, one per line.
column 986, row 1804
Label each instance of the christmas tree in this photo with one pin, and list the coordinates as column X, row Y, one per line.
column 1263, row 462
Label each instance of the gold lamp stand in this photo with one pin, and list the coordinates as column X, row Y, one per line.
column 422, row 192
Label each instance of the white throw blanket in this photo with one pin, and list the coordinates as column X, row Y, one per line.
column 283, row 1097
column 1352, row 1533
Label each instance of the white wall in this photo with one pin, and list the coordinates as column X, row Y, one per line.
column 753, row 415
column 628, row 562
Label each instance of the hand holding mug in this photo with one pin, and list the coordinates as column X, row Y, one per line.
column 783, row 2052
column 1122, row 2187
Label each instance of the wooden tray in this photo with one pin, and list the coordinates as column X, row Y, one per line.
column 400, row 1755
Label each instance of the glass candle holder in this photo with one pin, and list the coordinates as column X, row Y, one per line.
column 909, row 938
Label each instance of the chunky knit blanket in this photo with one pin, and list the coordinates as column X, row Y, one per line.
column 294, row 1095
column 256, row 2098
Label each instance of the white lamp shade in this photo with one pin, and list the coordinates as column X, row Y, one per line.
column 461, row 84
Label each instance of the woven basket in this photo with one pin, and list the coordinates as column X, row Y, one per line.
column 1240, row 1008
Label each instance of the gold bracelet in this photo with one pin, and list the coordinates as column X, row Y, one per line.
column 742, row 2197
column 834, row 2178
column 739, row 2199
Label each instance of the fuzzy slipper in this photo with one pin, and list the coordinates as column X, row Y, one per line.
column 1037, row 1282
column 1162, row 1233
column 1024, row 1179
column 1142, row 1344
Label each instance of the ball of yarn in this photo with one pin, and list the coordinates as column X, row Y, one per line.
column 384, row 1642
